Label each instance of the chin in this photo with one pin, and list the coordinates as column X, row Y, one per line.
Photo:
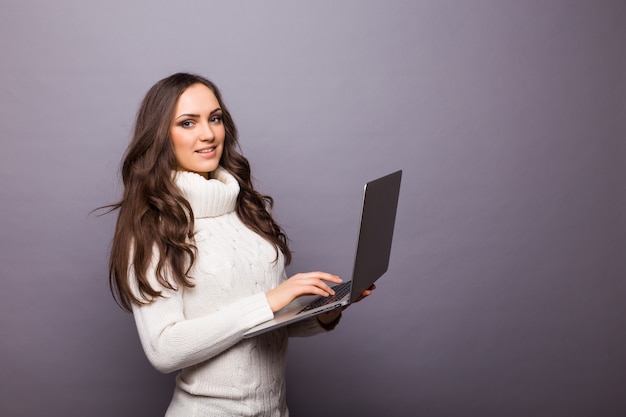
column 206, row 170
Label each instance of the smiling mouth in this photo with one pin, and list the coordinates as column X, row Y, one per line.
column 208, row 150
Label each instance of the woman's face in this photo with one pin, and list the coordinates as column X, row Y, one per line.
column 197, row 130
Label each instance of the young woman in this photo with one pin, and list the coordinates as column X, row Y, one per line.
column 199, row 260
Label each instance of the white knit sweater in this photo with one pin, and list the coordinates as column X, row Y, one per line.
column 199, row 330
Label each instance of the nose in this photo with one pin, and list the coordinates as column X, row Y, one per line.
column 206, row 133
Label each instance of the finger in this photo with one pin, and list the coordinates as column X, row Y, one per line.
column 327, row 289
column 311, row 286
column 321, row 282
column 324, row 276
column 320, row 290
column 365, row 293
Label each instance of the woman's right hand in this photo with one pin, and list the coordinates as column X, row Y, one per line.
column 308, row 283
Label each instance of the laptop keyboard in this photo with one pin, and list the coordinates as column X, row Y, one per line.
column 341, row 291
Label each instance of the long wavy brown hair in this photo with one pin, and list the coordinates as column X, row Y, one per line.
column 153, row 214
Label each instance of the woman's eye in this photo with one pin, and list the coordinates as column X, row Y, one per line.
column 187, row 123
column 216, row 119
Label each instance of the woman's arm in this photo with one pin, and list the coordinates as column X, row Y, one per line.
column 171, row 341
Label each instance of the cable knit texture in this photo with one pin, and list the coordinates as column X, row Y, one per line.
column 199, row 330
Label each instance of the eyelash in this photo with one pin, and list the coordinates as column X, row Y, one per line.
column 215, row 119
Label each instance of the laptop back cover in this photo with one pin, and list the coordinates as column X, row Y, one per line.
column 380, row 203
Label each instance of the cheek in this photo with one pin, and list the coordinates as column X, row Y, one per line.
column 179, row 145
column 179, row 139
column 222, row 132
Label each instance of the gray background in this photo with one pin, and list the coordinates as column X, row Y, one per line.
column 505, row 292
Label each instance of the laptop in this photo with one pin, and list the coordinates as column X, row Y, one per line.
column 378, row 217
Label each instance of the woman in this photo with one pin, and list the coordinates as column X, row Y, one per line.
column 198, row 259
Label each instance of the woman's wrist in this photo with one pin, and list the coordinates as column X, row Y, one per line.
column 329, row 320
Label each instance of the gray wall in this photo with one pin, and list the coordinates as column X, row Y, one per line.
column 505, row 292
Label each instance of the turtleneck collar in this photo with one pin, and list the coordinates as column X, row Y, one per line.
column 208, row 198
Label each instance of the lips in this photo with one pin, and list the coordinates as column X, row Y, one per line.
column 207, row 153
column 205, row 150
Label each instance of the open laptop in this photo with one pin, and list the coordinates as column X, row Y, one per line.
column 378, row 217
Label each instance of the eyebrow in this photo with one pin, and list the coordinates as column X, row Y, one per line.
column 192, row 115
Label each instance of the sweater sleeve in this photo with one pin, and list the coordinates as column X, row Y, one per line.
column 171, row 341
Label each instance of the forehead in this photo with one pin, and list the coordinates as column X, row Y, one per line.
column 197, row 98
